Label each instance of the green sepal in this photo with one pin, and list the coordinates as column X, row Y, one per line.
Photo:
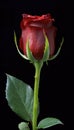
column 59, row 49
column 47, row 50
column 15, row 40
column 29, row 53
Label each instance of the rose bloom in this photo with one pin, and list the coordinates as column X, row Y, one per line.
column 33, row 29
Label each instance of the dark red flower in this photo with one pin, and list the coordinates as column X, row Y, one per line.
column 33, row 28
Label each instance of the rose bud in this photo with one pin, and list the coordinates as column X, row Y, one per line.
column 40, row 33
column 33, row 29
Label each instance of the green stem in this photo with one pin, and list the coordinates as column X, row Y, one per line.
column 38, row 66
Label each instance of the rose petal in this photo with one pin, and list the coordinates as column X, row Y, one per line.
column 51, row 34
column 37, row 42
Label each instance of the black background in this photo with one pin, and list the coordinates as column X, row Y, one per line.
column 56, row 78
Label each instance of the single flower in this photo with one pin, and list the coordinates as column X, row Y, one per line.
column 34, row 29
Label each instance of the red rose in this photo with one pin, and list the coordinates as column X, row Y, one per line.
column 33, row 28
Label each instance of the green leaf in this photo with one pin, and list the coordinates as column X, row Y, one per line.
column 20, row 97
column 48, row 122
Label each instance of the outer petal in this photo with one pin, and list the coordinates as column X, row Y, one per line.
column 37, row 42
column 51, row 34
column 23, row 40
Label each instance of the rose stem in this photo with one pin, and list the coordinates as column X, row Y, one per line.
column 38, row 66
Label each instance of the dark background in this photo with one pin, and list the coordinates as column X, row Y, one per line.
column 56, row 78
